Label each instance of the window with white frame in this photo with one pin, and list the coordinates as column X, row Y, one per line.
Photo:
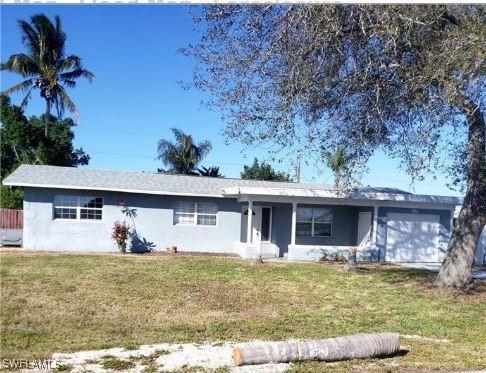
column 189, row 213
column 314, row 222
column 78, row 207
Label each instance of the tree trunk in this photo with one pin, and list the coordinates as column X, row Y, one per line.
column 357, row 346
column 46, row 119
column 459, row 258
column 352, row 263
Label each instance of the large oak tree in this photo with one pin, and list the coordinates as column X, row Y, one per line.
column 404, row 79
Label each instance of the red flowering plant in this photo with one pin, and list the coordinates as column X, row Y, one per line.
column 120, row 233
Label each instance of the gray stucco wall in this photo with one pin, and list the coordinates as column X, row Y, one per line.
column 154, row 223
column 444, row 219
column 344, row 227
column 282, row 225
column 156, row 230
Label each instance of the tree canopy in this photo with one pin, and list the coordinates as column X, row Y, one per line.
column 184, row 155
column 23, row 141
column 263, row 171
column 320, row 77
column 405, row 79
column 45, row 66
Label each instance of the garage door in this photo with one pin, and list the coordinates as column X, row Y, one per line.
column 412, row 238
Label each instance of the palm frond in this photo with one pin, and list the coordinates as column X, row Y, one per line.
column 21, row 64
column 22, row 86
column 60, row 38
column 184, row 155
column 166, row 151
column 202, row 149
column 27, row 97
column 69, row 83
column 77, row 73
column 70, row 62
column 64, row 101
column 29, row 37
column 51, row 42
column 178, row 134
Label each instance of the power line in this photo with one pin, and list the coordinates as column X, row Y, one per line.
column 145, row 134
column 151, row 157
column 304, row 177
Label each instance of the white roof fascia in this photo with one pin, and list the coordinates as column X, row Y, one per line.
column 290, row 192
column 137, row 191
column 319, row 193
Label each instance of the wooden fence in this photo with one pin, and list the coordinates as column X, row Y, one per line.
column 11, row 219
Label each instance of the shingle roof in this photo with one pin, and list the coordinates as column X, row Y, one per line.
column 152, row 183
column 135, row 182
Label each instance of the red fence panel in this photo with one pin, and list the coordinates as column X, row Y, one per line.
column 11, row 219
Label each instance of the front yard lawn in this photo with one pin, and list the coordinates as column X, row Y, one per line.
column 69, row 302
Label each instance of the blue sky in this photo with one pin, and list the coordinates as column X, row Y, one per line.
column 136, row 97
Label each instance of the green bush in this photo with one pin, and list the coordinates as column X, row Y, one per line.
column 11, row 197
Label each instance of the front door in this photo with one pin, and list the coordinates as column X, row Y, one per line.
column 364, row 229
column 256, row 222
column 261, row 224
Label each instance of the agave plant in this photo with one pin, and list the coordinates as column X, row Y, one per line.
column 45, row 67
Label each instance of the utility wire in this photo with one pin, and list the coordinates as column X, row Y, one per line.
column 132, row 133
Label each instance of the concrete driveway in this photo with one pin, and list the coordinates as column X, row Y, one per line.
column 479, row 274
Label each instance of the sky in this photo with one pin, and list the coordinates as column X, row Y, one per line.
column 137, row 97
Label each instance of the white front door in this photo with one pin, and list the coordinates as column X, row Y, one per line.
column 256, row 223
column 412, row 238
column 364, row 229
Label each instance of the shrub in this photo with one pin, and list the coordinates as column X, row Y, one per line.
column 324, row 255
column 120, row 234
column 339, row 257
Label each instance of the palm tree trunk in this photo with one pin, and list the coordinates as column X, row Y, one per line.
column 357, row 346
column 459, row 258
column 47, row 116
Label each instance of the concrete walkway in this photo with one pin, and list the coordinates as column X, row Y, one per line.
column 479, row 274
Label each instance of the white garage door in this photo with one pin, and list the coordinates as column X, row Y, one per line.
column 412, row 238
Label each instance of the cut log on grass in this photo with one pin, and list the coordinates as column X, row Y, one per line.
column 357, row 346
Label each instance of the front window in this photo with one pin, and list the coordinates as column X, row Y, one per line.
column 314, row 222
column 78, row 207
column 189, row 213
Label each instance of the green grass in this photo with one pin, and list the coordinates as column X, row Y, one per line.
column 117, row 364
column 68, row 302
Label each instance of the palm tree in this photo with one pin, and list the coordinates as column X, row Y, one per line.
column 209, row 171
column 45, row 66
column 183, row 156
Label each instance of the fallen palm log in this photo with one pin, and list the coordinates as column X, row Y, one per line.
column 356, row 346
